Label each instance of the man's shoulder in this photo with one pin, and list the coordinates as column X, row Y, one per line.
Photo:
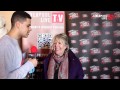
column 4, row 42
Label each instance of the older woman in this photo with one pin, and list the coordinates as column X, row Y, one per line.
column 62, row 63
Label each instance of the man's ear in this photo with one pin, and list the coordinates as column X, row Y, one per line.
column 17, row 24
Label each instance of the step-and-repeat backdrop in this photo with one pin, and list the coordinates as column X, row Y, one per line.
column 94, row 37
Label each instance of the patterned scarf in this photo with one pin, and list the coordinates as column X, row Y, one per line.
column 63, row 68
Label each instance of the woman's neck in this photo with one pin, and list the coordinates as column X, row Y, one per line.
column 59, row 55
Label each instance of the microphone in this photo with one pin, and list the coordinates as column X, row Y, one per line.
column 34, row 51
column 33, row 55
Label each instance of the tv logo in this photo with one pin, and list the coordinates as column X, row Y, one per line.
column 57, row 17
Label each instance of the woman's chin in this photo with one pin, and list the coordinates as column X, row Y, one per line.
column 57, row 53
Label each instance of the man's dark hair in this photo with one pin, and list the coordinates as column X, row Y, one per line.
column 19, row 16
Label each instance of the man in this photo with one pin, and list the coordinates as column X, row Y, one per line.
column 10, row 52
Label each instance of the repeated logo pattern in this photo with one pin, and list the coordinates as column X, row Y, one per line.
column 94, row 37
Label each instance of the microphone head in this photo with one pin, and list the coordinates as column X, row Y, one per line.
column 33, row 49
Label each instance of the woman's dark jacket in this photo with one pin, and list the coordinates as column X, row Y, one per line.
column 75, row 67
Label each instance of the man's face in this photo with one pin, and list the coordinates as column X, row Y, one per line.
column 26, row 28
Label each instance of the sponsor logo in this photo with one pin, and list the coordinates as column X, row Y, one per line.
column 95, row 60
column 84, row 15
column 84, row 51
column 116, row 51
column 105, row 69
column 84, row 42
column 95, row 41
column 95, row 24
column 116, row 77
column 106, row 60
column 117, row 42
column 95, row 15
column 117, row 15
column 73, row 24
column 84, row 24
column 94, row 68
column 94, row 51
column 106, row 24
column 94, row 77
column 95, row 33
column 106, row 42
column 107, row 33
column 73, row 33
column 73, row 41
column 104, row 76
column 73, row 15
column 84, row 68
column 115, row 69
column 117, row 60
column 86, row 76
column 84, row 32
column 74, row 50
column 106, row 51
column 84, row 59
column 118, row 24
column 116, row 33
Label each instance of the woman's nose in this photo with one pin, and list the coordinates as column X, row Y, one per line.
column 56, row 44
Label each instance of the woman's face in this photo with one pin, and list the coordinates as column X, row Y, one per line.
column 59, row 47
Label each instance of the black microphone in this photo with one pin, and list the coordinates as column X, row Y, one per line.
column 33, row 54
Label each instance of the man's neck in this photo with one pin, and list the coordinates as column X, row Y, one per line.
column 14, row 34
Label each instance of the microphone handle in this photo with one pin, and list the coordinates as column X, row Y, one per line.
column 35, row 55
column 33, row 70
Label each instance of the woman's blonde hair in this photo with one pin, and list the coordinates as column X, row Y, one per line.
column 63, row 37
